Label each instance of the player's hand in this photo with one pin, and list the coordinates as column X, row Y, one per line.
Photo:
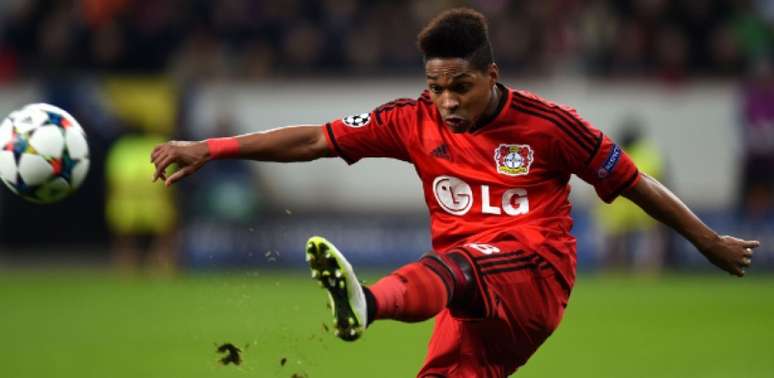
column 189, row 157
column 731, row 254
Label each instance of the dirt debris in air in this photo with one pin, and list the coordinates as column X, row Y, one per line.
column 233, row 354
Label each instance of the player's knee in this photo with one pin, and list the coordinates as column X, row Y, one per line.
column 457, row 273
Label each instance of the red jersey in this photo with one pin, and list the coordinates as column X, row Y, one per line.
column 506, row 179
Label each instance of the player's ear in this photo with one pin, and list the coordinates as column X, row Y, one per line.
column 494, row 73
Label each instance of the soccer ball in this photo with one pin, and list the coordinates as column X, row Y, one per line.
column 44, row 155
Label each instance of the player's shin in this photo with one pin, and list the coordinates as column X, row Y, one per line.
column 412, row 293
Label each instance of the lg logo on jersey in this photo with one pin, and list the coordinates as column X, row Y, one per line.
column 456, row 197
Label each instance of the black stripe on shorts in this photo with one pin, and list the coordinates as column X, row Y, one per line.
column 526, row 262
column 509, row 260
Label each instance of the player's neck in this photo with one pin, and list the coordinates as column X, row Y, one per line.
column 496, row 99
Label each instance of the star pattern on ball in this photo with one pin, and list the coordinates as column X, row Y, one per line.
column 38, row 163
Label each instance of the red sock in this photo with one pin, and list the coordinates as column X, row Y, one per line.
column 412, row 293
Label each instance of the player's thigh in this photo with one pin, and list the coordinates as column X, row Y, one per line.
column 467, row 348
column 522, row 293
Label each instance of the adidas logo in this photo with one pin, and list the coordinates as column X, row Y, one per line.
column 442, row 152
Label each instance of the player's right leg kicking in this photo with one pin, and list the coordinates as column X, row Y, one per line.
column 420, row 290
column 415, row 292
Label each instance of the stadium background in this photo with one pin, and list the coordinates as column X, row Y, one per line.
column 693, row 76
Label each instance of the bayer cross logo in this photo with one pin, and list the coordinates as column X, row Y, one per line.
column 513, row 159
column 357, row 120
column 454, row 195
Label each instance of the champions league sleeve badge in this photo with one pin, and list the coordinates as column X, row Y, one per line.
column 610, row 163
column 357, row 120
column 513, row 159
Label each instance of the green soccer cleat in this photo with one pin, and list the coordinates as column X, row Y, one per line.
column 346, row 296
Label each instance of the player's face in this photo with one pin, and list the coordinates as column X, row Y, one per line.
column 460, row 92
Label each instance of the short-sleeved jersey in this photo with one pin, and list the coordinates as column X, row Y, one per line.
column 507, row 179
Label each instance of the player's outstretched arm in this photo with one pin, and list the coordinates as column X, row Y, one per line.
column 286, row 144
column 727, row 252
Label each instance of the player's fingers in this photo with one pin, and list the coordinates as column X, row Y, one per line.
column 745, row 262
column 175, row 177
column 162, row 166
column 739, row 271
column 156, row 152
column 732, row 267
column 156, row 160
column 748, row 252
column 157, row 176
column 157, row 165
column 751, row 243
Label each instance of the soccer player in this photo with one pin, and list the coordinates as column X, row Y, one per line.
column 495, row 163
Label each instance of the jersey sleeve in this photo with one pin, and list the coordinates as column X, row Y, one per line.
column 384, row 132
column 594, row 157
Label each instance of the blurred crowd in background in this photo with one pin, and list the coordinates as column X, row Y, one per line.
column 131, row 66
column 258, row 39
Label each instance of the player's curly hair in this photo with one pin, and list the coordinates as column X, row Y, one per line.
column 457, row 33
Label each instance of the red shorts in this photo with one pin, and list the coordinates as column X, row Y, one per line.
column 523, row 300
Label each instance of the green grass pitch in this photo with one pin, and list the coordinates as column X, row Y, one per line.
column 90, row 324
